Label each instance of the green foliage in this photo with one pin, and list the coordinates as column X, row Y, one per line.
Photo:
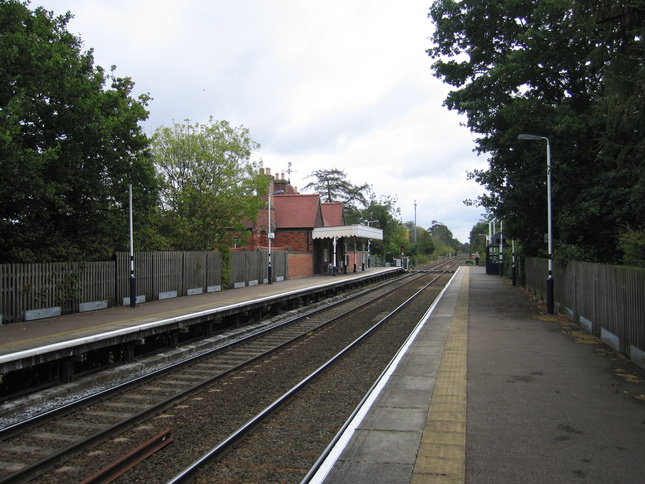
column 568, row 70
column 388, row 219
column 425, row 244
column 632, row 243
column 443, row 240
column 333, row 186
column 421, row 247
column 69, row 145
column 478, row 238
column 226, row 267
column 210, row 185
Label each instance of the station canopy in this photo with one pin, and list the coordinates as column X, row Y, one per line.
column 347, row 231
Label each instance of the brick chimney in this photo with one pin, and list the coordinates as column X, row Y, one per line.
column 281, row 183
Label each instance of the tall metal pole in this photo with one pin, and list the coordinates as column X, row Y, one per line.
column 550, row 292
column 514, row 269
column 415, row 221
column 133, row 281
column 270, row 235
column 550, row 296
column 270, row 269
column 501, row 247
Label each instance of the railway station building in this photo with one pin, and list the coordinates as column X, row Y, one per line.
column 314, row 234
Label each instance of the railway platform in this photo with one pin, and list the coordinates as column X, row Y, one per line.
column 488, row 390
column 492, row 390
column 29, row 335
column 62, row 345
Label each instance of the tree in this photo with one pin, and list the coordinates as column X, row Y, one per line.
column 210, row 185
column 443, row 240
column 69, row 145
column 425, row 244
column 388, row 219
column 478, row 237
column 557, row 69
column 333, row 186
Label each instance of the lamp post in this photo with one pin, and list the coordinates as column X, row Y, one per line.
column 501, row 247
column 513, row 269
column 133, row 281
column 549, row 279
column 415, row 222
column 270, row 235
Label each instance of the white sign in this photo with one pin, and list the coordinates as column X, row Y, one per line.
column 271, row 235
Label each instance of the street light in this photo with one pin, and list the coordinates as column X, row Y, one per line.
column 549, row 279
column 133, row 281
column 271, row 235
column 415, row 222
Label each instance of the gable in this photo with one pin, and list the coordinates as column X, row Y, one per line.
column 333, row 215
column 297, row 211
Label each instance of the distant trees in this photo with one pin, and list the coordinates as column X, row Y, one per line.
column 70, row 144
column 383, row 213
column 443, row 240
column 478, row 235
column 569, row 70
column 425, row 244
column 210, row 186
column 333, row 186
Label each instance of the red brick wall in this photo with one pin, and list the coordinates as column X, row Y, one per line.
column 296, row 241
column 300, row 265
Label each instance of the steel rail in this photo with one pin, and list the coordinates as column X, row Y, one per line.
column 37, row 467
column 370, row 393
column 9, row 430
column 221, row 448
column 131, row 459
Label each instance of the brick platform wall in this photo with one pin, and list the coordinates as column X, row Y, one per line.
column 300, row 265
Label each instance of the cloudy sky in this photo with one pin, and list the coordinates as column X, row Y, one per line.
column 340, row 84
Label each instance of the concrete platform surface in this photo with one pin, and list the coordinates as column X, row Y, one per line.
column 492, row 390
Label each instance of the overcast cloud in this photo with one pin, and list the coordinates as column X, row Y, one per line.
column 342, row 84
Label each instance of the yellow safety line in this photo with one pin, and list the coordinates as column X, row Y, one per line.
column 442, row 454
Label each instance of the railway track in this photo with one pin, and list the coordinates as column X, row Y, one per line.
column 30, row 448
column 255, row 458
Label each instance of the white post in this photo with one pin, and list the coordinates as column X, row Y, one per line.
column 270, row 269
column 335, row 266
column 549, row 281
column 550, row 296
column 133, row 281
column 270, row 234
column 501, row 247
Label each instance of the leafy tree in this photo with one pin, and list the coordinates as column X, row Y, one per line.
column 388, row 219
column 210, row 185
column 333, row 186
column 478, row 238
column 617, row 28
column 632, row 243
column 443, row 239
column 409, row 225
column 569, row 70
column 425, row 244
column 69, row 145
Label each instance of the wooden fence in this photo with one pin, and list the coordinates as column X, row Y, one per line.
column 35, row 291
column 608, row 301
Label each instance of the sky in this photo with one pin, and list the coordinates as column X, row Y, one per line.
column 342, row 84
